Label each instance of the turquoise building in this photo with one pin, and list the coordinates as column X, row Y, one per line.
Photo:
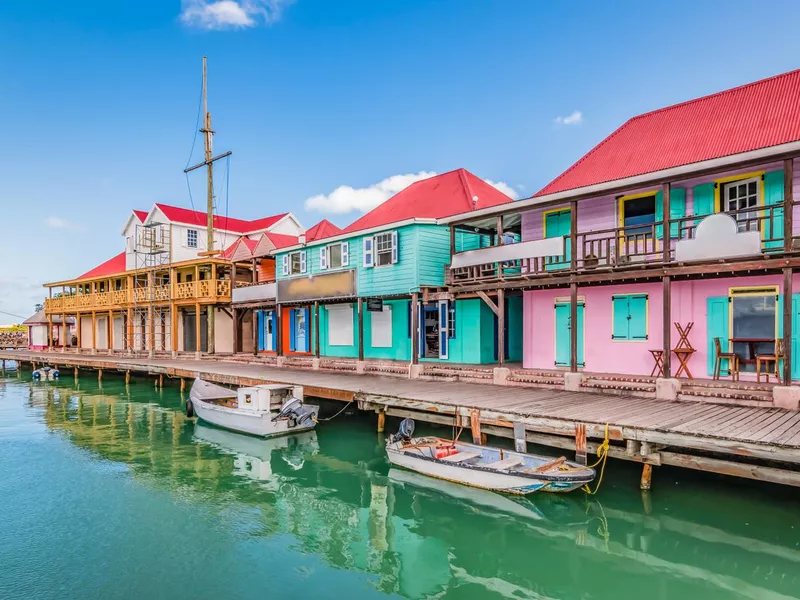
column 376, row 290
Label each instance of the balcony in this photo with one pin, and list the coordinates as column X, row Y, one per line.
column 207, row 290
column 623, row 248
column 259, row 292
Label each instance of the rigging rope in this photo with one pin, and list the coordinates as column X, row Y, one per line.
column 353, row 399
column 194, row 141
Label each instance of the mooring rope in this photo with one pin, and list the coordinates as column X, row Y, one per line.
column 353, row 399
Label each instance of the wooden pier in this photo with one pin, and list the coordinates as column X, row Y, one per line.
column 744, row 441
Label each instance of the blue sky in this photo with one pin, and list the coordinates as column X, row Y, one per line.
column 99, row 99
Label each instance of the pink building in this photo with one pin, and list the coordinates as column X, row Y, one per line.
column 683, row 217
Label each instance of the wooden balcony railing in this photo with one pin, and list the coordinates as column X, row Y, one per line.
column 203, row 290
column 622, row 247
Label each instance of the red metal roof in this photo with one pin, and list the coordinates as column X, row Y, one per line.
column 433, row 198
column 750, row 117
column 321, row 230
column 229, row 252
column 281, row 240
column 140, row 214
column 195, row 217
column 112, row 266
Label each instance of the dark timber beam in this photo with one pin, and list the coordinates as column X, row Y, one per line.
column 414, row 328
column 573, row 236
column 501, row 327
column 316, row 328
column 667, row 323
column 788, row 177
column 573, row 327
column 787, row 326
column 485, row 297
column 360, row 328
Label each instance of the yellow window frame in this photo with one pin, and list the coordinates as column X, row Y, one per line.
column 730, row 179
column 752, row 290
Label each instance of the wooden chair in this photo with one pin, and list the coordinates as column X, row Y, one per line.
column 731, row 357
column 770, row 359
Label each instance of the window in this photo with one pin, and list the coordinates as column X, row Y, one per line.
column 384, row 249
column 451, row 322
column 629, row 317
column 294, row 263
column 340, row 325
column 191, row 238
column 754, row 317
column 639, row 212
column 334, row 256
column 740, row 195
column 381, row 334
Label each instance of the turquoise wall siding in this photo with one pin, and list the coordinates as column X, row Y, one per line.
column 514, row 316
column 401, row 342
column 325, row 349
column 398, row 278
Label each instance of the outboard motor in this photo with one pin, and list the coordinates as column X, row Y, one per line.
column 295, row 412
column 404, row 433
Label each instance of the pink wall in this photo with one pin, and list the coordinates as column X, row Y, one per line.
column 601, row 212
column 601, row 353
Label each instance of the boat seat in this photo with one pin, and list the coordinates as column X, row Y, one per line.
column 461, row 456
column 504, row 465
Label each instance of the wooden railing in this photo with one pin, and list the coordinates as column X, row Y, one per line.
column 203, row 290
column 622, row 247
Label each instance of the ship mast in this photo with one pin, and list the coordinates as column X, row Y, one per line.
column 208, row 162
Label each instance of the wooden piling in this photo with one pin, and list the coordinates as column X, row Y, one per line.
column 161, row 381
column 475, row 424
column 647, row 476
column 99, row 374
column 75, row 372
column 183, row 384
column 381, row 420
column 580, row 443
column 127, row 377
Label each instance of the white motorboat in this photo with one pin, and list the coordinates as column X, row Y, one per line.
column 263, row 410
column 492, row 469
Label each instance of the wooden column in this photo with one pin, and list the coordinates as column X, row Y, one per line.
column 665, row 234
column 278, row 333
column 787, row 326
column 788, row 216
column 64, row 327
column 78, row 329
column 197, row 331
column 236, row 329
column 211, row 311
column 110, row 332
column 94, row 331
column 254, row 275
column 316, row 329
column 254, row 329
column 360, row 329
column 573, row 235
column 50, row 332
column 129, row 327
column 414, row 328
column 175, row 315
column 573, row 327
column 452, row 240
column 667, row 324
column 501, row 326
column 500, row 230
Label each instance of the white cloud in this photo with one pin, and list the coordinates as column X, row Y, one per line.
column 576, row 118
column 345, row 199
column 56, row 222
column 231, row 14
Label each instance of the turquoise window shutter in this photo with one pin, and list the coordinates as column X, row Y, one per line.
column 260, row 325
column 796, row 336
column 637, row 312
column 677, row 209
column 773, row 194
column 659, row 214
column 703, row 198
column 717, row 315
column 307, row 337
column 620, row 321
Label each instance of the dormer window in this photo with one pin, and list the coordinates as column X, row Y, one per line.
column 191, row 238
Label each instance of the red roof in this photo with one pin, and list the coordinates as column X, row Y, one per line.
column 195, row 217
column 321, row 230
column 111, row 267
column 750, row 117
column 281, row 240
column 229, row 252
column 140, row 214
column 433, row 198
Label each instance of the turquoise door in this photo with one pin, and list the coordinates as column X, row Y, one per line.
column 563, row 335
column 557, row 224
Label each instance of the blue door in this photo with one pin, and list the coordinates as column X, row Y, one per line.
column 563, row 327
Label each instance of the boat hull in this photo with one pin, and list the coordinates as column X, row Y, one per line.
column 258, row 423
column 506, row 482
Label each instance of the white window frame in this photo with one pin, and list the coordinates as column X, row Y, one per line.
column 325, row 256
column 389, row 249
column 189, row 233
column 289, row 263
column 743, row 219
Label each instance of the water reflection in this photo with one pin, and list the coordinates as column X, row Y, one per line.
column 332, row 491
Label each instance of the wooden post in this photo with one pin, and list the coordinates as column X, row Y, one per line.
column 278, row 333
column 573, row 327
column 254, row 329
column 788, row 206
column 74, row 371
column 787, row 326
column 667, row 324
column 161, row 381
column 647, row 476
column 475, row 425
column 573, row 235
column 211, row 311
column 127, row 377
column 197, row 331
column 415, row 350
column 78, row 329
column 99, row 374
column 501, row 326
column 254, row 274
column 64, row 328
column 520, row 438
column 236, row 330
column 381, row 420
column 316, row 329
column 183, row 384
column 50, row 331
column 500, row 230
column 174, row 317
column 452, row 240
column 580, row 443
column 129, row 327
column 94, row 331
column 665, row 234
column 110, row 332
column 360, row 329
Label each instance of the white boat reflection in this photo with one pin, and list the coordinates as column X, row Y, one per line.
column 253, row 456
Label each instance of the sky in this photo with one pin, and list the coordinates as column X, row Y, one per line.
column 328, row 106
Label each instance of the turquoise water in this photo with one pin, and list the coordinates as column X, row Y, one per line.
column 110, row 492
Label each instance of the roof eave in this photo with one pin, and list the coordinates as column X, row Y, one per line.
column 358, row 233
column 678, row 173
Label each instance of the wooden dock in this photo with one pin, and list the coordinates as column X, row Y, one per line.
column 753, row 442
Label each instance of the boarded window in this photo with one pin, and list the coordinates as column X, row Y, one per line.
column 382, row 328
column 340, row 325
